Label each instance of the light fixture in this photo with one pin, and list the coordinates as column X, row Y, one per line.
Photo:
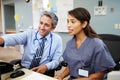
column 27, row 1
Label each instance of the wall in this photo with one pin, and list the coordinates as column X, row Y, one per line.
column 7, row 13
column 0, row 20
column 62, row 8
column 9, row 17
column 103, row 24
column 25, row 15
column 65, row 37
column 22, row 9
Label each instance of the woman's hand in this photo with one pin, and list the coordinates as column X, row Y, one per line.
column 63, row 74
column 59, row 77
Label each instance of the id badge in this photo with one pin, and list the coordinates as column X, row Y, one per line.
column 83, row 72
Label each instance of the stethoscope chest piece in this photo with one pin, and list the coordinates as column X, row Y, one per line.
column 49, row 58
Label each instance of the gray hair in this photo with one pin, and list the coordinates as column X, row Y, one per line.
column 52, row 16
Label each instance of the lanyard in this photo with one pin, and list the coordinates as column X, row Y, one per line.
column 48, row 57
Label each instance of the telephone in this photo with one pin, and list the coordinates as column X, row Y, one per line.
column 5, row 67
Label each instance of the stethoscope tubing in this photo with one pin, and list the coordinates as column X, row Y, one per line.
column 50, row 43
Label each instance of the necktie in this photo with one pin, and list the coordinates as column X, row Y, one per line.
column 37, row 57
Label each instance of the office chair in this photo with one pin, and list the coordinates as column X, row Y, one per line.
column 113, row 43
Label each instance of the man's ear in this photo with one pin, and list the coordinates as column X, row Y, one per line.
column 53, row 28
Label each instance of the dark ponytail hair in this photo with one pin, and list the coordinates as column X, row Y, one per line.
column 83, row 15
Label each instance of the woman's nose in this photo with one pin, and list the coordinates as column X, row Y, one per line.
column 68, row 24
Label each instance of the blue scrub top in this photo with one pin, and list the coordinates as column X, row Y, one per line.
column 92, row 56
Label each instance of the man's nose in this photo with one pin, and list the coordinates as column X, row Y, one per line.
column 42, row 26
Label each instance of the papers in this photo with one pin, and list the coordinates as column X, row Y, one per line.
column 37, row 76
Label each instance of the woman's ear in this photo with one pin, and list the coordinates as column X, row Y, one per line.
column 85, row 24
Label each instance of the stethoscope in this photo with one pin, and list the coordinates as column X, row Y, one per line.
column 48, row 57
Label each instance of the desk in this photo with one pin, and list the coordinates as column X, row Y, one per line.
column 27, row 74
column 114, row 75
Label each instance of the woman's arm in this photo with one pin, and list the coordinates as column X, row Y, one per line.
column 64, row 74
column 95, row 76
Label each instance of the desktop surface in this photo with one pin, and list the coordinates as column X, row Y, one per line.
column 29, row 75
column 113, row 75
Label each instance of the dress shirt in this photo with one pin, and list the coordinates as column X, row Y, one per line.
column 30, row 40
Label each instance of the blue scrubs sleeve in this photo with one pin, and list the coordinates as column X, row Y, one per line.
column 103, row 59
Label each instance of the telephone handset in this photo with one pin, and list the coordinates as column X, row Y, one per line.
column 5, row 67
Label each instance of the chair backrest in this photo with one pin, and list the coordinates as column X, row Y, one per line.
column 113, row 43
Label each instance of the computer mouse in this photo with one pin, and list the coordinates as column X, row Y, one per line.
column 17, row 73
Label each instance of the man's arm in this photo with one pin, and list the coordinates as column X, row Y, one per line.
column 56, row 53
column 1, row 42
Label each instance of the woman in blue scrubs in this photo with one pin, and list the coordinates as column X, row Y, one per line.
column 86, row 55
